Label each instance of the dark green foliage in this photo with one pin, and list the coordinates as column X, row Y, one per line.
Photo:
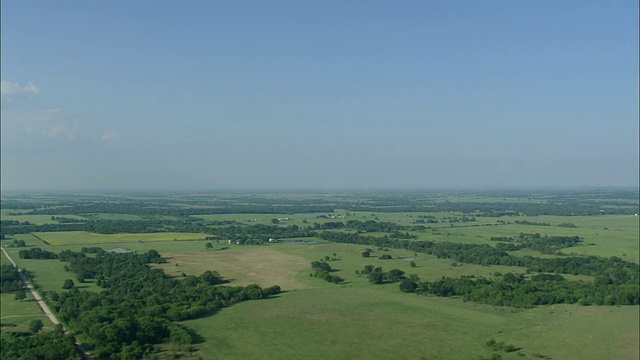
column 516, row 291
column 35, row 326
column 408, row 286
column 501, row 346
column 139, row 305
column 10, row 279
column 68, row 284
column 20, row 295
column 18, row 243
column 50, row 345
column 36, row 253
column 323, row 270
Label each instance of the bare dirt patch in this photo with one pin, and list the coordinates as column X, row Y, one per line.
column 264, row 267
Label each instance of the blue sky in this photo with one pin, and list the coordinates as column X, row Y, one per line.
column 294, row 95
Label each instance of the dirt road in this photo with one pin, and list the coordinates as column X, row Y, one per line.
column 35, row 294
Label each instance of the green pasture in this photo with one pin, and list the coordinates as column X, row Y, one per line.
column 16, row 315
column 372, row 323
column 91, row 239
column 49, row 274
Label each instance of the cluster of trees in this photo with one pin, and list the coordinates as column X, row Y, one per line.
column 544, row 244
column 10, row 279
column 377, row 276
column 18, row 243
column 517, row 291
column 49, row 345
column 36, row 253
column 139, row 306
column 323, row 270
column 526, row 222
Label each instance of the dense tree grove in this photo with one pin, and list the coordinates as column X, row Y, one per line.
column 139, row 306
column 518, row 291
column 544, row 244
column 10, row 279
column 49, row 345
column 375, row 275
column 36, row 253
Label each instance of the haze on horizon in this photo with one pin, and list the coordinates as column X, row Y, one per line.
column 286, row 95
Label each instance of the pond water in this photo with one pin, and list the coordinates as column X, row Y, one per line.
column 119, row 250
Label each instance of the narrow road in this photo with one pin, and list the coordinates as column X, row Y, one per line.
column 41, row 303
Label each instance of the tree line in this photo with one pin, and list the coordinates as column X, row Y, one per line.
column 516, row 290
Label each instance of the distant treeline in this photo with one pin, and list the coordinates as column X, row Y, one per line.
column 531, row 204
column 139, row 306
column 169, row 210
column 497, row 209
column 112, row 226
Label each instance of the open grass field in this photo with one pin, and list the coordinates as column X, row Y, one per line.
column 16, row 315
column 358, row 321
column 374, row 323
column 91, row 239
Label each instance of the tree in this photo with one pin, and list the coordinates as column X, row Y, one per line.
column 366, row 253
column 412, row 264
column 20, row 295
column 408, row 286
column 68, row 284
column 35, row 326
column 209, row 246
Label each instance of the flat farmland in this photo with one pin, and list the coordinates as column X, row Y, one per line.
column 90, row 239
column 354, row 319
column 377, row 323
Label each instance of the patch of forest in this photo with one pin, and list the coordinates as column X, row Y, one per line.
column 139, row 306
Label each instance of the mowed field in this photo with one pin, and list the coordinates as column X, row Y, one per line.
column 91, row 239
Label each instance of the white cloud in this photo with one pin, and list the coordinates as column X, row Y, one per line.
column 110, row 137
column 48, row 123
column 10, row 88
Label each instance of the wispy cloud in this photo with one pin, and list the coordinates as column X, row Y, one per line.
column 110, row 137
column 48, row 123
column 11, row 88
